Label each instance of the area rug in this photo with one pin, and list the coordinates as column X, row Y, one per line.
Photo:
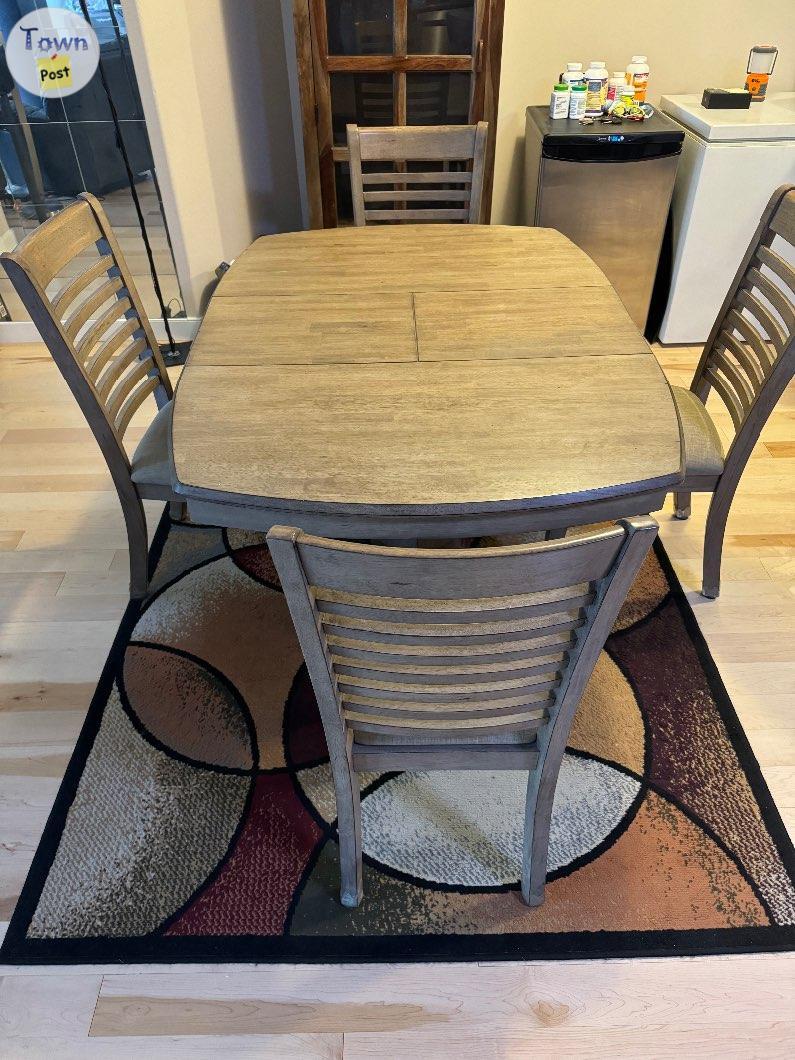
column 196, row 821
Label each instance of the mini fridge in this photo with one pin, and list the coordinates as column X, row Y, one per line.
column 732, row 162
column 608, row 188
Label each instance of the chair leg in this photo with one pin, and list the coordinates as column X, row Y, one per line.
column 717, row 516
column 682, row 505
column 349, row 828
column 177, row 511
column 138, row 544
column 538, row 813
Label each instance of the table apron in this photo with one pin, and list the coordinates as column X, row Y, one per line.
column 341, row 525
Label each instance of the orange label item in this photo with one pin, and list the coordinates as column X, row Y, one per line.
column 756, row 84
column 640, row 83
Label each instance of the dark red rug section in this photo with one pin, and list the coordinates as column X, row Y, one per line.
column 692, row 757
column 304, row 740
column 255, row 886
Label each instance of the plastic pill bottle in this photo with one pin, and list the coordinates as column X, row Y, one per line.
column 559, row 102
column 617, row 81
column 577, row 101
column 638, row 76
column 596, row 83
column 573, row 75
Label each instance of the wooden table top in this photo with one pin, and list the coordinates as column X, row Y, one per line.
column 420, row 369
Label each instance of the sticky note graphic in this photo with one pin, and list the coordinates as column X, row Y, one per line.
column 55, row 72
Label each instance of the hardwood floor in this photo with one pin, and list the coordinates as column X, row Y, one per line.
column 62, row 590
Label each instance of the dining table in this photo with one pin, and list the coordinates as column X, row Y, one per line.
column 434, row 381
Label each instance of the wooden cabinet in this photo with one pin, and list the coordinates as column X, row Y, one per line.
column 390, row 62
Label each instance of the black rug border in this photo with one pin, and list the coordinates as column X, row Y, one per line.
column 771, row 818
column 16, row 949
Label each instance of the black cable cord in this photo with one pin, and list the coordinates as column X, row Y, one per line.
column 134, row 193
column 117, row 33
column 133, row 82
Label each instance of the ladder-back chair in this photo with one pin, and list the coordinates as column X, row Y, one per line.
column 102, row 342
column 748, row 360
column 453, row 659
column 399, row 191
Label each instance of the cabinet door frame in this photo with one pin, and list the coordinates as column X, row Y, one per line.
column 315, row 66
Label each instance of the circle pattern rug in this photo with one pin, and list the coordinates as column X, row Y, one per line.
column 197, row 821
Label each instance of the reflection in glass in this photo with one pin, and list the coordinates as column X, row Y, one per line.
column 53, row 148
column 440, row 27
column 437, row 99
column 359, row 27
column 362, row 99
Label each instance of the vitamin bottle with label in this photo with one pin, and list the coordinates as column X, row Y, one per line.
column 618, row 80
column 573, row 75
column 596, row 83
column 638, row 76
column 577, row 100
column 559, row 102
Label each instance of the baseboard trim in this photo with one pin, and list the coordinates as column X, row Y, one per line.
column 14, row 332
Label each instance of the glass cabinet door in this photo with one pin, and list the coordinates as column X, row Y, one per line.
column 389, row 62
column 440, row 27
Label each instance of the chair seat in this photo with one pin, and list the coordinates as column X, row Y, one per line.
column 703, row 447
column 151, row 462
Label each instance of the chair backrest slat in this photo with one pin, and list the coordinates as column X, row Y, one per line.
column 61, row 239
column 778, row 265
column 132, row 403
column 449, row 643
column 739, row 334
column 772, row 292
column 496, row 653
column 451, row 176
column 753, row 357
column 104, row 353
column 66, row 296
column 759, row 311
column 88, row 308
column 507, row 570
column 95, row 325
column 127, row 384
column 749, row 356
column 445, row 194
column 424, row 143
column 106, row 381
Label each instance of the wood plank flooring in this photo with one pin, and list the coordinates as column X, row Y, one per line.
column 62, row 591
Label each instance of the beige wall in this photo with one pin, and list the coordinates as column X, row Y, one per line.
column 214, row 85
column 691, row 45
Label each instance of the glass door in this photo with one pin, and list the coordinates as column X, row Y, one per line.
column 390, row 62
column 96, row 139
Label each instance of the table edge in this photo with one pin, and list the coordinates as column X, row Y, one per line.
column 514, row 504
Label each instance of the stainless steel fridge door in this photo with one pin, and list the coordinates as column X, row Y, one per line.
column 616, row 212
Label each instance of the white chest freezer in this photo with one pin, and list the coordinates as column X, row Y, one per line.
column 732, row 161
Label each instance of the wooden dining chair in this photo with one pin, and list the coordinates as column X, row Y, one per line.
column 399, row 193
column 102, row 342
column 453, row 659
column 748, row 360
